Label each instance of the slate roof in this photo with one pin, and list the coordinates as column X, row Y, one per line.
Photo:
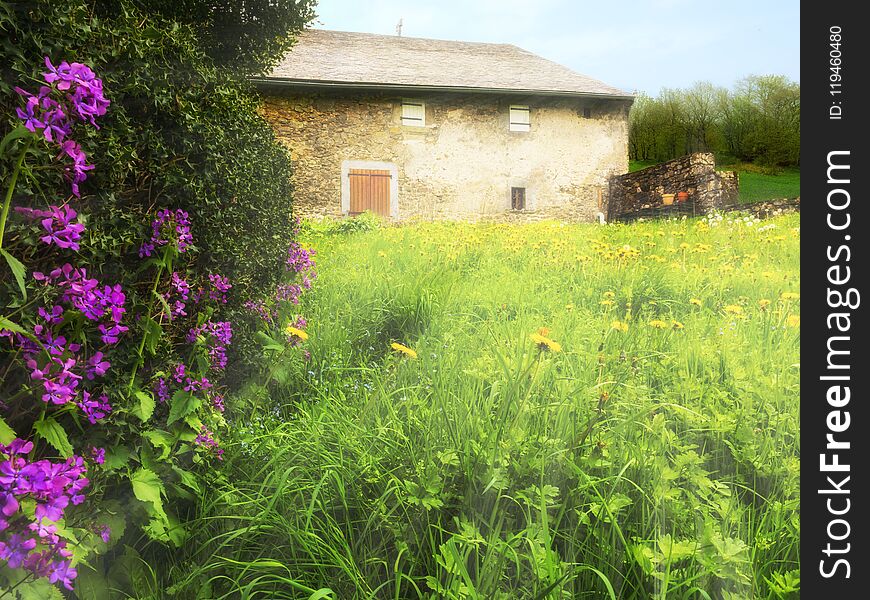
column 341, row 59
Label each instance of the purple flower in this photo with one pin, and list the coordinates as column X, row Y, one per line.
column 97, row 367
column 105, row 533
column 53, row 317
column 170, row 225
column 179, row 373
column 218, row 402
column 99, row 455
column 220, row 287
column 95, row 409
column 206, row 440
column 15, row 549
column 161, row 388
column 63, row 572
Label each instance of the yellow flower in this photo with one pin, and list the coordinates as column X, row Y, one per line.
column 763, row 303
column 381, row 253
column 793, row 321
column 569, row 307
column 619, row 326
column 695, row 301
column 545, row 343
column 677, row 325
column 403, row 350
column 734, row 309
column 295, row 332
column 543, row 331
column 658, row 324
column 609, row 294
column 790, row 296
column 606, row 303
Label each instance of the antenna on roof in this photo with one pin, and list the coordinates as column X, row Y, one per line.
column 399, row 27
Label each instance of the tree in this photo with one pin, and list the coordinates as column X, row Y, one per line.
column 246, row 36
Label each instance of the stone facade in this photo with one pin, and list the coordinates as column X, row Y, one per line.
column 462, row 163
column 694, row 173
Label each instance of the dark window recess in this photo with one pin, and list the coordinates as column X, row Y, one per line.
column 587, row 113
column 518, row 198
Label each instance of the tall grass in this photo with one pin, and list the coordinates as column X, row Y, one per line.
column 656, row 462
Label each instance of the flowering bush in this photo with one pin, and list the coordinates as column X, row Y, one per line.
column 108, row 396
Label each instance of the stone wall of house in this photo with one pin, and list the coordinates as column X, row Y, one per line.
column 694, row 173
column 463, row 162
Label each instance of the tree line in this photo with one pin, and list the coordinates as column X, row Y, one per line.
column 757, row 121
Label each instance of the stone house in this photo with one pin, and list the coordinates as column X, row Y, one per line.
column 420, row 128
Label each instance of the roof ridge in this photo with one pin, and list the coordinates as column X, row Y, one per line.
column 409, row 37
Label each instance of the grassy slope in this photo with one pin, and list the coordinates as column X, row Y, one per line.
column 754, row 186
column 665, row 459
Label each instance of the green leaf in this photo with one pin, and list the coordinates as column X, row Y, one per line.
column 90, row 585
column 148, row 488
column 160, row 440
column 167, row 310
column 10, row 326
column 7, row 434
column 145, row 407
column 187, row 478
column 17, row 133
column 53, row 433
column 116, row 457
column 37, row 589
column 183, row 403
column 18, row 271
column 152, row 333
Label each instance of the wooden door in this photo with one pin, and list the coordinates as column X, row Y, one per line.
column 369, row 190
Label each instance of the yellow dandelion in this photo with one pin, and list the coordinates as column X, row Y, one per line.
column 619, row 326
column 677, row 325
column 544, row 343
column 606, row 303
column 734, row 309
column 763, row 303
column 658, row 324
column 793, row 321
column 609, row 295
column 381, row 253
column 402, row 349
column 569, row 307
column 295, row 332
column 790, row 296
column 695, row 302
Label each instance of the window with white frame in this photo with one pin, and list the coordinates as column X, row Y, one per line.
column 413, row 112
column 519, row 118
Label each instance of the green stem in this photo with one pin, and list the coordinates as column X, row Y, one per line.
column 147, row 318
column 13, row 179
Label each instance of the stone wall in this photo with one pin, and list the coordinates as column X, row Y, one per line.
column 694, row 173
column 464, row 161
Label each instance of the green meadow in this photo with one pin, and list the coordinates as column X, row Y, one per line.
column 513, row 412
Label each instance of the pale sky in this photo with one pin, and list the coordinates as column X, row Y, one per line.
column 635, row 45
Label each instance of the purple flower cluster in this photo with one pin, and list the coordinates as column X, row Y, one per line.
column 57, row 221
column 34, row 544
column 161, row 389
column 168, row 226
column 73, row 91
column 219, row 287
column 299, row 259
column 61, row 230
column 95, row 302
column 206, row 440
column 178, row 295
column 57, row 362
column 219, row 335
column 265, row 313
column 94, row 409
